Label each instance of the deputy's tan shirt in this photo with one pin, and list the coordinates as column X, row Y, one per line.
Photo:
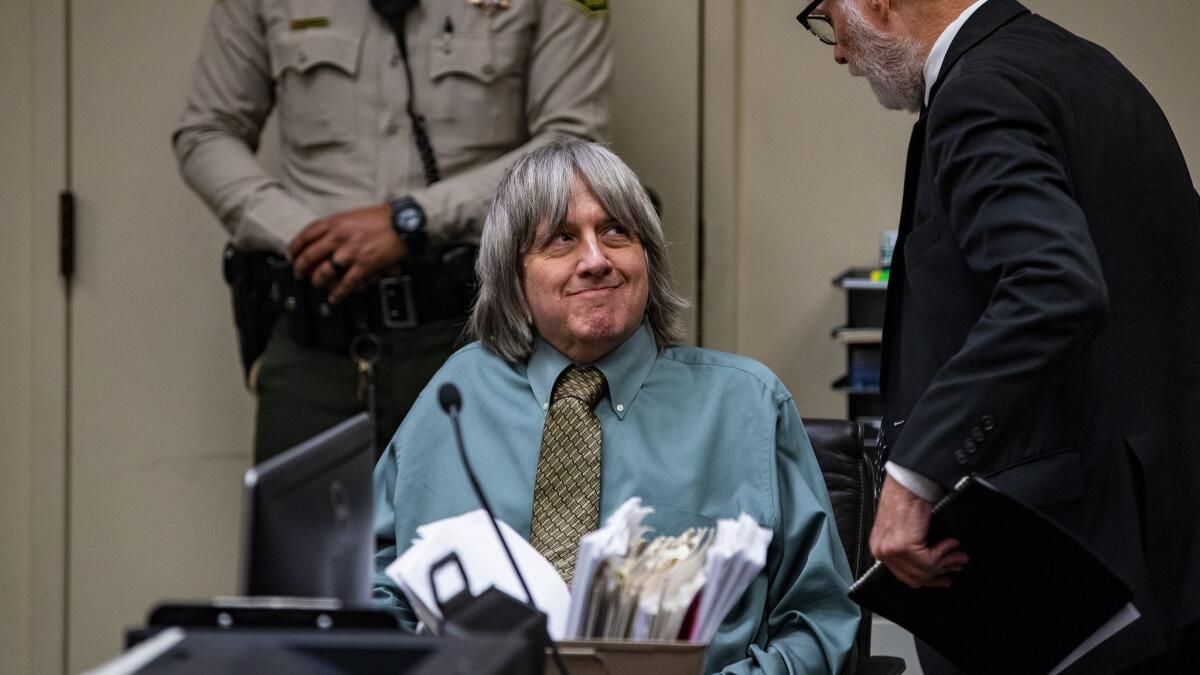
column 490, row 86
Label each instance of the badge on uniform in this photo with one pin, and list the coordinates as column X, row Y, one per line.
column 490, row 7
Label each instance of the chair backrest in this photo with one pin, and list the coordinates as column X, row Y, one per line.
column 849, row 476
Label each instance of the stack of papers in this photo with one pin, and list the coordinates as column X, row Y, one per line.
column 670, row 588
column 622, row 530
column 737, row 554
column 625, row 586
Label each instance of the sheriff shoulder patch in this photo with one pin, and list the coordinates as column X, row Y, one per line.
column 590, row 7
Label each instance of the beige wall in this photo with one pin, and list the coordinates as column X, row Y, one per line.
column 819, row 171
column 32, row 338
column 16, row 116
column 656, row 116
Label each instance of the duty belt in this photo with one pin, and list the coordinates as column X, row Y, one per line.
column 403, row 302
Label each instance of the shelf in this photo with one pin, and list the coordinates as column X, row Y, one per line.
column 861, row 338
column 856, row 335
column 859, row 279
column 843, row 384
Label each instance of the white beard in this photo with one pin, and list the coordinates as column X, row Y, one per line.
column 892, row 65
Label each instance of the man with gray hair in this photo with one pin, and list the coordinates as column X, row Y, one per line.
column 1043, row 309
column 578, row 396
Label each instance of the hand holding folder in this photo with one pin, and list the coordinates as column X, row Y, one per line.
column 1032, row 599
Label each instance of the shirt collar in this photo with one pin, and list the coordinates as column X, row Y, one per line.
column 933, row 63
column 625, row 369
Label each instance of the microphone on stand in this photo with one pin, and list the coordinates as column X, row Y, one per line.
column 451, row 401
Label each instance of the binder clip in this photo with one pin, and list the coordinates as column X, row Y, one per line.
column 492, row 612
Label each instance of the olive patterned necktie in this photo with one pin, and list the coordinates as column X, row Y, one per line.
column 566, row 491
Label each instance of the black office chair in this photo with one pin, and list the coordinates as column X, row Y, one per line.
column 850, row 477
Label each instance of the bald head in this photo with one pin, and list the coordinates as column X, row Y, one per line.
column 921, row 20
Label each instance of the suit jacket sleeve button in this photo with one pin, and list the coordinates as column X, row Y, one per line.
column 960, row 456
column 968, row 446
column 977, row 435
column 987, row 423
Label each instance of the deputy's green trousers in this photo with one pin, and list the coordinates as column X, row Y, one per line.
column 302, row 392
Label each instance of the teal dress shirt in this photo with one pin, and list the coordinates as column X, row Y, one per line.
column 697, row 434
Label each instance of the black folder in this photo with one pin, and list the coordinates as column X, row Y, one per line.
column 1029, row 596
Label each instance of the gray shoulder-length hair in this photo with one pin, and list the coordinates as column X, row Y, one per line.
column 536, row 190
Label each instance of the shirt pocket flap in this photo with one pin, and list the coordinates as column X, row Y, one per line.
column 476, row 57
column 666, row 521
column 302, row 53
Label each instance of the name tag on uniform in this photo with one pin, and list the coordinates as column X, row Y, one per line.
column 310, row 22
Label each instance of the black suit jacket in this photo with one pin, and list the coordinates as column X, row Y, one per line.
column 1043, row 322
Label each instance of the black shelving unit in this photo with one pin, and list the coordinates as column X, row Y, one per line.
column 861, row 335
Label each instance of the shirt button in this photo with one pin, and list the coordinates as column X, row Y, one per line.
column 545, row 406
column 620, row 408
column 395, row 60
column 489, row 71
column 392, row 129
column 302, row 57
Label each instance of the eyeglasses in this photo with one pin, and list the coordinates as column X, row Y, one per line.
column 817, row 23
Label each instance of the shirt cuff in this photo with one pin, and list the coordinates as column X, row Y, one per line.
column 921, row 486
column 271, row 223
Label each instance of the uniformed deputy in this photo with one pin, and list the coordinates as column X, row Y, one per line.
column 397, row 119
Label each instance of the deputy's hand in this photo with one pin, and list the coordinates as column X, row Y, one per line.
column 898, row 540
column 346, row 251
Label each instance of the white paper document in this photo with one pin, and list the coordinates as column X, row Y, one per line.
column 473, row 539
column 1125, row 616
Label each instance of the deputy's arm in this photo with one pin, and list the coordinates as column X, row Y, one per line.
column 228, row 99
column 811, row 622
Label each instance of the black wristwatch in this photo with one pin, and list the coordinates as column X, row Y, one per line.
column 408, row 219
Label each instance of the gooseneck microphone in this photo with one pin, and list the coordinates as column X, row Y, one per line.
column 451, row 401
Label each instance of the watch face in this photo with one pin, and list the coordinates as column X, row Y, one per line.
column 409, row 219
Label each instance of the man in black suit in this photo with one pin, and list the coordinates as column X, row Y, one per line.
column 1043, row 318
